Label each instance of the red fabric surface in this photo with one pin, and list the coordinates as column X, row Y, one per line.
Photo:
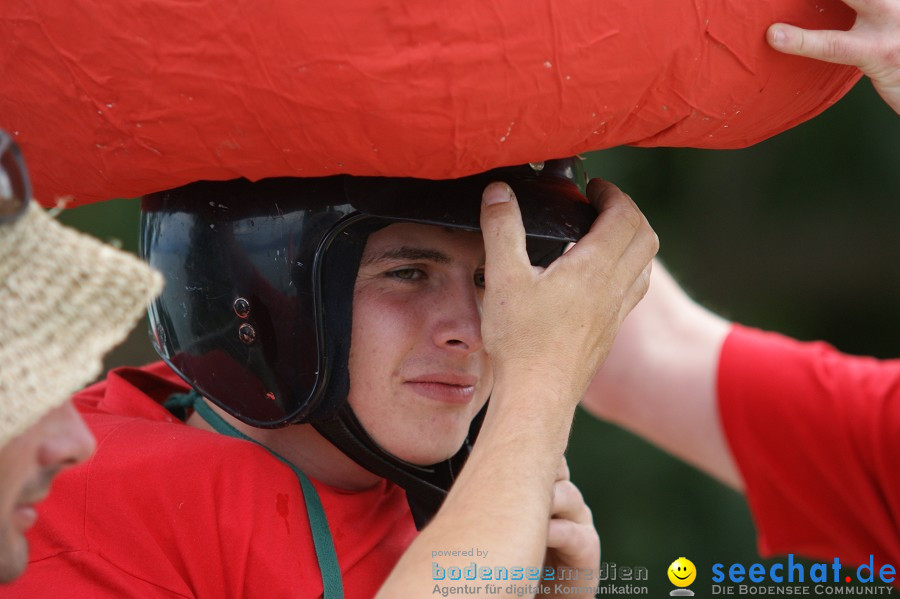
column 166, row 510
column 124, row 98
column 816, row 435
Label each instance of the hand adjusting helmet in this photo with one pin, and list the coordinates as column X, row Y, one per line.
column 256, row 312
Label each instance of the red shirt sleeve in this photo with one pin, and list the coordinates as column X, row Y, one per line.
column 816, row 436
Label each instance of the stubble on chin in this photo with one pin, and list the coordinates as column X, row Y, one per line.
column 13, row 553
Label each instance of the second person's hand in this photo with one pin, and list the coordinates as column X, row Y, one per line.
column 872, row 44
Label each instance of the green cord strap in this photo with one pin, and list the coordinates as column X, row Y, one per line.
column 328, row 565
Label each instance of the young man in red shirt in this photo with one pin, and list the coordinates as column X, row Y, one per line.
column 342, row 336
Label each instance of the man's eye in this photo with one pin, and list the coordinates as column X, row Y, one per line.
column 479, row 278
column 406, row 274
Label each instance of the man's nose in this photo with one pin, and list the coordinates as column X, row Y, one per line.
column 457, row 319
column 66, row 439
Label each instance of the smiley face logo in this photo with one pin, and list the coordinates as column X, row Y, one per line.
column 682, row 572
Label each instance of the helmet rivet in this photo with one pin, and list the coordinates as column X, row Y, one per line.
column 241, row 307
column 536, row 166
column 247, row 333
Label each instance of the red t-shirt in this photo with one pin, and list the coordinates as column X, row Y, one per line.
column 163, row 509
column 816, row 436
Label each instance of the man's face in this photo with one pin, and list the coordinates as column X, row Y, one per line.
column 28, row 464
column 418, row 370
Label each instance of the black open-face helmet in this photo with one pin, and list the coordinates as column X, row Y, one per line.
column 256, row 312
column 15, row 186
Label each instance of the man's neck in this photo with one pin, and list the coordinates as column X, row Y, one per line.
column 305, row 448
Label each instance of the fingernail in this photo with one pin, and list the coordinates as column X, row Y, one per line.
column 779, row 36
column 496, row 193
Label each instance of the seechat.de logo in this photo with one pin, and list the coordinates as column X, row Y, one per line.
column 795, row 571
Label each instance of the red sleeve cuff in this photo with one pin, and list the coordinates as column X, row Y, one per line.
column 816, row 436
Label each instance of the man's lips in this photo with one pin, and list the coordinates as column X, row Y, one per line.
column 444, row 387
column 25, row 510
column 24, row 516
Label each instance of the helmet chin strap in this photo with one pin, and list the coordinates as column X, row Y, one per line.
column 425, row 486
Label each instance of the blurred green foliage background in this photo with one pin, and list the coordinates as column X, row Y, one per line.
column 797, row 234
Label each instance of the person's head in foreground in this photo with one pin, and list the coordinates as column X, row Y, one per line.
column 348, row 303
column 28, row 464
column 56, row 285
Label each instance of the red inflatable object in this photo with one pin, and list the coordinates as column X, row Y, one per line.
column 117, row 99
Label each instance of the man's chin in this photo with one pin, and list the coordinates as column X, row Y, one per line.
column 420, row 456
column 13, row 557
column 427, row 445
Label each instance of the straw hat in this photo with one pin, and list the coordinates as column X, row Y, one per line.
column 66, row 298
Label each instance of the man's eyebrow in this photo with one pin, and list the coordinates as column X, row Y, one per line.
column 408, row 253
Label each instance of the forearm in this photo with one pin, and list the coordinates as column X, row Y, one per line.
column 501, row 502
column 659, row 380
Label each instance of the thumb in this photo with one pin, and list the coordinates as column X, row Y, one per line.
column 830, row 46
column 503, row 231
